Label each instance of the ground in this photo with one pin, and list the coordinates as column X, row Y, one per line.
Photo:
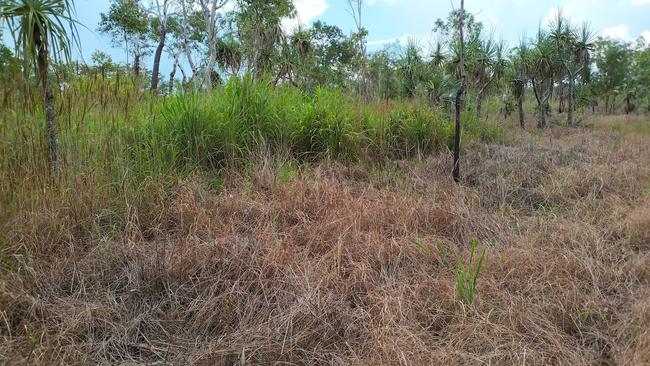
column 332, row 263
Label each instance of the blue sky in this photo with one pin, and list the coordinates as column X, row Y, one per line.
column 389, row 21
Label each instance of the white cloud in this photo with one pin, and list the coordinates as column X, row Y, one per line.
column 640, row 2
column 573, row 9
column 621, row 31
column 306, row 11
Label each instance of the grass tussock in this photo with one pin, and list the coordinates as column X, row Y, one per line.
column 334, row 263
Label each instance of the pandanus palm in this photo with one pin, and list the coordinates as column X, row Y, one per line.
column 229, row 54
column 584, row 46
column 572, row 46
column 40, row 34
column 410, row 69
column 489, row 66
column 302, row 55
column 438, row 56
column 518, row 77
column 541, row 70
column 578, row 62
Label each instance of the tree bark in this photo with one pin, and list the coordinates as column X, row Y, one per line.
column 570, row 101
column 520, row 106
column 459, row 95
column 137, row 55
column 212, row 46
column 156, row 59
column 258, row 71
column 126, row 48
column 541, row 119
column 48, row 99
column 560, row 108
column 543, row 96
column 172, row 74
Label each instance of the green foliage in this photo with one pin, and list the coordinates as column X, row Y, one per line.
column 9, row 65
column 39, row 24
column 259, row 27
column 125, row 20
column 326, row 54
column 466, row 272
column 127, row 23
column 101, row 59
column 447, row 28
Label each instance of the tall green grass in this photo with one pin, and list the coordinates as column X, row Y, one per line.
column 116, row 135
column 208, row 130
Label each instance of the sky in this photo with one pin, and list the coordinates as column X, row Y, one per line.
column 390, row 21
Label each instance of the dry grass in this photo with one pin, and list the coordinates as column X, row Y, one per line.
column 336, row 265
column 626, row 124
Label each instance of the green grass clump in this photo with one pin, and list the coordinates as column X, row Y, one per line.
column 228, row 124
column 466, row 272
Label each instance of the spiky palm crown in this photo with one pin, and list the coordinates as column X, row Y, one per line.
column 35, row 24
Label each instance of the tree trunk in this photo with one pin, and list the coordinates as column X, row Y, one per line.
column 560, row 108
column 628, row 104
column 172, row 74
column 520, row 105
column 126, row 47
column 212, row 60
column 156, row 59
column 187, row 49
column 210, row 14
column 479, row 102
column 459, row 96
column 136, row 60
column 48, row 99
column 570, row 100
column 541, row 117
column 257, row 53
column 541, row 97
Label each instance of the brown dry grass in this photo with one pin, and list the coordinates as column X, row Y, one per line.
column 322, row 268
